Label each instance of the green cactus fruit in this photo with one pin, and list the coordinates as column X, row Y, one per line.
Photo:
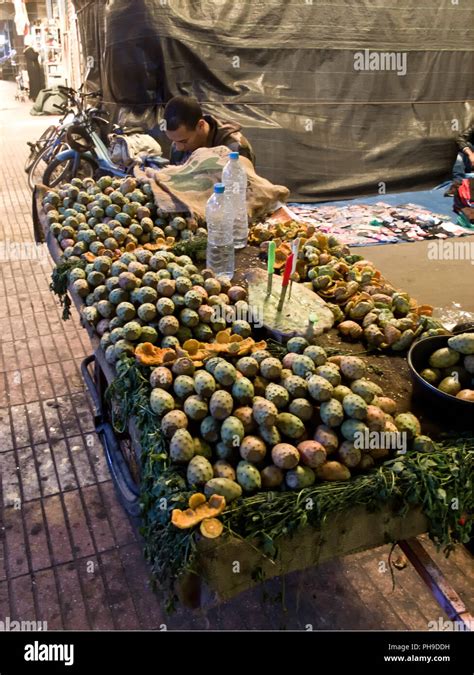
column 296, row 386
column 463, row 343
column 271, row 368
column 366, row 389
column 225, row 487
column 149, row 334
column 232, row 431
column 202, row 448
column 431, row 375
column 408, row 423
column 317, row 354
column 244, row 414
column 168, row 325
column 354, row 406
column 183, row 366
column 303, row 366
column 110, row 356
column 253, row 449
column 277, row 395
column 225, row 373
column 181, row 446
column 242, row 390
column 302, row 408
column 161, row 401
column 199, row 471
column 193, row 299
column 125, row 311
column 116, row 334
column 352, row 367
column 204, row 383
column 147, row 312
column 330, row 372
column 331, row 412
column 165, row 306
column 444, row 358
column 469, row 364
column 422, row 444
column 450, row 385
column 210, row 429
column 221, row 404
column 350, row 429
column 195, row 407
column 340, row 391
column 320, row 389
column 270, row 435
column 248, row 477
column 188, row 317
column 242, row 328
column 260, row 355
column 264, row 412
column 248, row 366
column 132, row 330
column 290, row 425
column 203, row 333
column 285, row 456
column 300, row 477
column 170, row 342
column 172, row 421
column 297, row 345
column 272, row 476
column 183, row 386
column 124, row 347
column 223, row 469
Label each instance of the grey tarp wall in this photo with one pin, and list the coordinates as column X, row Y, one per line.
column 286, row 70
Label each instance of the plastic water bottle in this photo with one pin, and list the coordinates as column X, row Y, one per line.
column 220, row 237
column 234, row 178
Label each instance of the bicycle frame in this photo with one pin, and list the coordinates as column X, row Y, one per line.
column 100, row 156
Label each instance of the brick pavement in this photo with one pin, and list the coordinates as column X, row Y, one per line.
column 68, row 553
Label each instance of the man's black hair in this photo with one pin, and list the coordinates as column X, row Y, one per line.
column 182, row 110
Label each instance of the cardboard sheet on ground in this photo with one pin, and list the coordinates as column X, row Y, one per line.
column 185, row 188
column 304, row 313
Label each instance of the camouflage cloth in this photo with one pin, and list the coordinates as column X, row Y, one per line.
column 187, row 187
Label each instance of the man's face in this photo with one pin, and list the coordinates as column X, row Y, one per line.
column 188, row 140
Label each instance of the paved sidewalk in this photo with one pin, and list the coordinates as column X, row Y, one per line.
column 68, row 553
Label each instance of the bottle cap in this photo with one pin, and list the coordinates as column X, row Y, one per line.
column 219, row 188
column 233, row 155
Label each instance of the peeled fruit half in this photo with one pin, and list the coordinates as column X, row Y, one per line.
column 211, row 528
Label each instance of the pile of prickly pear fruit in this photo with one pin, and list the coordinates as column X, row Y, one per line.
column 110, row 216
column 267, row 423
column 365, row 306
column 451, row 369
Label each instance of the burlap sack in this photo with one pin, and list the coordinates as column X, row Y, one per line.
column 187, row 187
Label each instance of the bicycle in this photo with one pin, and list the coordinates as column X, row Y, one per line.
column 53, row 140
column 88, row 156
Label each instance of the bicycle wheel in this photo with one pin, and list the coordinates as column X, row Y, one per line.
column 37, row 148
column 63, row 170
column 42, row 162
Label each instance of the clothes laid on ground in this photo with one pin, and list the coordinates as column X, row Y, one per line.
column 379, row 223
column 46, row 102
column 187, row 187
column 222, row 132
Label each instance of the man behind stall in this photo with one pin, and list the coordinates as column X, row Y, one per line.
column 189, row 129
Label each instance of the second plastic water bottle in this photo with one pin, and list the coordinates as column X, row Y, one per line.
column 220, row 238
column 234, row 178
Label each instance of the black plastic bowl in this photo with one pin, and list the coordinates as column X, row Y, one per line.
column 460, row 412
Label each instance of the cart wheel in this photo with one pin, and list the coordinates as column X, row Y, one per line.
column 115, row 446
column 127, row 489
